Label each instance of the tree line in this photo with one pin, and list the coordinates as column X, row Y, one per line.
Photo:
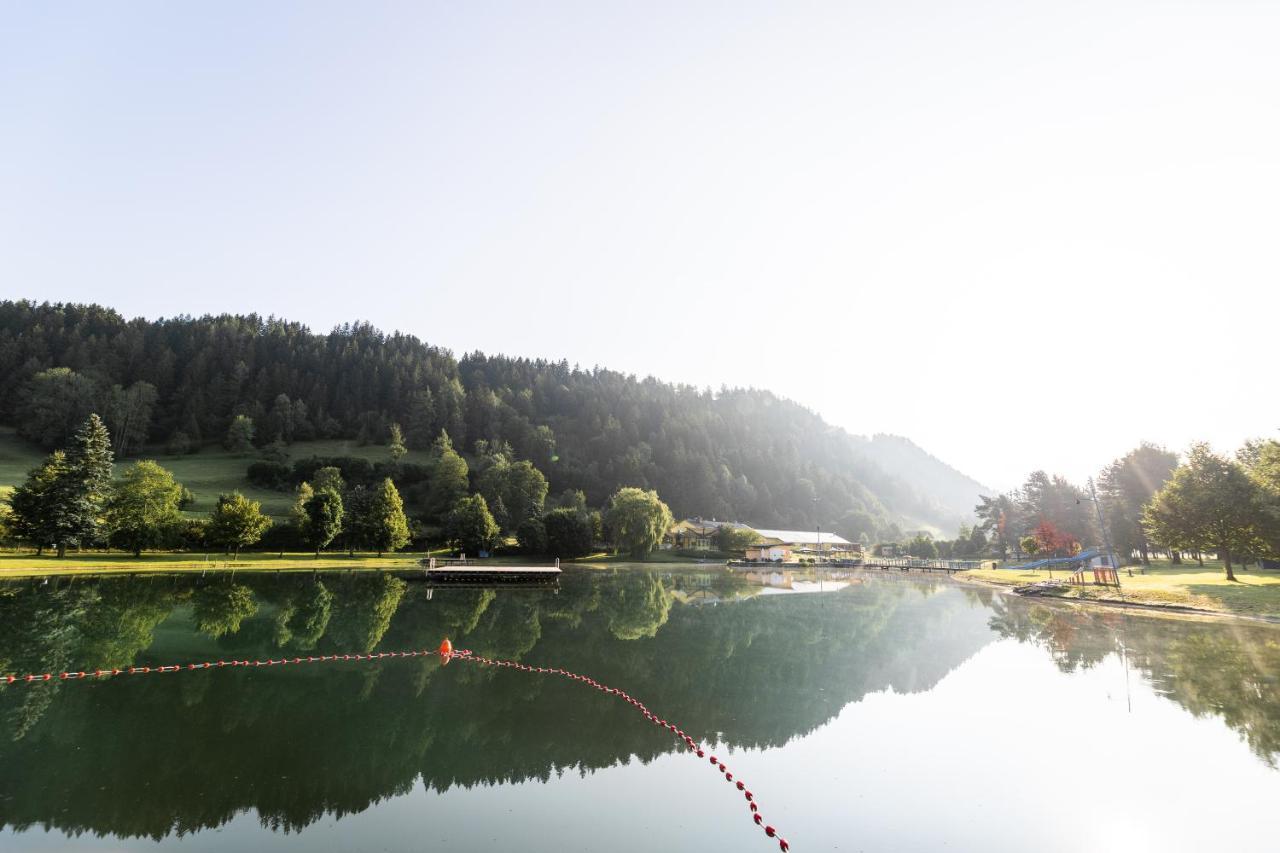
column 70, row 499
column 184, row 383
column 1148, row 501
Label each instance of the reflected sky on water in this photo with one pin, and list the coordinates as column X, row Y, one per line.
column 895, row 713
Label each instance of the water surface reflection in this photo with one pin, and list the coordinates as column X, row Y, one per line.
column 765, row 675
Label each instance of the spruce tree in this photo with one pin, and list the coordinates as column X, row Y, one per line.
column 79, row 494
column 36, row 518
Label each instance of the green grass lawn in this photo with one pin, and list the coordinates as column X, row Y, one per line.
column 19, row 564
column 208, row 473
column 17, row 457
column 1253, row 593
column 16, row 564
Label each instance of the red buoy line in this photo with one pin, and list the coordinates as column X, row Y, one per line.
column 446, row 653
column 694, row 747
column 215, row 664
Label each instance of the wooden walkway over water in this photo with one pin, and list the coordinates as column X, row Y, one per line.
column 886, row 564
column 462, row 573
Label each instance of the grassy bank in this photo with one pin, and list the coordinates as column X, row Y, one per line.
column 21, row 565
column 25, row 564
column 1253, row 593
column 208, row 473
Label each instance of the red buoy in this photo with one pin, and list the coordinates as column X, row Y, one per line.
column 446, row 649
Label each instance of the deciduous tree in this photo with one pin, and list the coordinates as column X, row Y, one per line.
column 53, row 404
column 569, row 533
column 730, row 539
column 240, row 434
column 532, row 536
column 1054, row 542
column 143, row 511
column 1210, row 504
column 236, row 522
column 324, row 518
column 447, row 483
column 395, row 446
column 470, row 527
column 383, row 525
column 636, row 520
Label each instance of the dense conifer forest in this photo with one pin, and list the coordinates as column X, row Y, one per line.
column 179, row 383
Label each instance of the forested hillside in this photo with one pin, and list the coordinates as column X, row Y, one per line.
column 178, row 383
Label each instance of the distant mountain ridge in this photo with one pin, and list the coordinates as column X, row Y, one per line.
column 951, row 490
column 735, row 454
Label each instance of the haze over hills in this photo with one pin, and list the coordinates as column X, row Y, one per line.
column 733, row 454
column 951, row 489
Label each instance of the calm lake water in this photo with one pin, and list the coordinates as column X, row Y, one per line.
column 895, row 713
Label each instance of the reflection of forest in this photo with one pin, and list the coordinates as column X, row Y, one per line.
column 1229, row 670
column 298, row 743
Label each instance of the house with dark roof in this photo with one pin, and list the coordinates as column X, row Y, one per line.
column 697, row 534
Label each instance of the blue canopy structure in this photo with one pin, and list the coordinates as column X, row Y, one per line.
column 1082, row 557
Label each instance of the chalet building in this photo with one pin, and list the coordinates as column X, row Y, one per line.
column 697, row 534
column 787, row 546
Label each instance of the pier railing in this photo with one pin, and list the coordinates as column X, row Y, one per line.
column 904, row 564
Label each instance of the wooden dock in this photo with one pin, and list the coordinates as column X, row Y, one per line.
column 464, row 573
column 886, row 564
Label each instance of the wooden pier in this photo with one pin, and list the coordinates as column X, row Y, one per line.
column 463, row 573
column 887, row 564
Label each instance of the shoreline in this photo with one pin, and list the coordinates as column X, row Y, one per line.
column 108, row 565
column 1180, row 611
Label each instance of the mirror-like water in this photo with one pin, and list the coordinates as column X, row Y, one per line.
column 891, row 714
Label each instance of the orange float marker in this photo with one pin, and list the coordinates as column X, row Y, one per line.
column 446, row 649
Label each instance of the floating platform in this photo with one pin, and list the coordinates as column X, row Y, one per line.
column 463, row 573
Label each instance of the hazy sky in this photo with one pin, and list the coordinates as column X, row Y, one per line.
column 1024, row 234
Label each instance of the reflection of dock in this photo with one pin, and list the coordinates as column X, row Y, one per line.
column 463, row 573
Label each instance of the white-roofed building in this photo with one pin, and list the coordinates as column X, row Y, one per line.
column 784, row 546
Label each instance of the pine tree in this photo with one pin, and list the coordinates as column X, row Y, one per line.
column 422, row 419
